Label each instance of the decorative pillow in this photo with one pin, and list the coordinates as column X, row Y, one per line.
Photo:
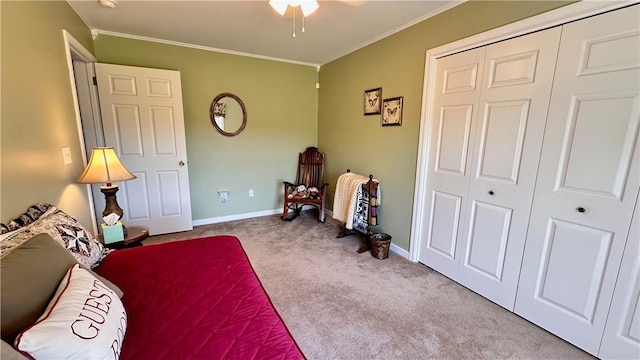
column 30, row 276
column 32, row 214
column 7, row 235
column 66, row 231
column 84, row 320
column 105, row 281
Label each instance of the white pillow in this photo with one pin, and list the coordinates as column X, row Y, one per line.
column 84, row 320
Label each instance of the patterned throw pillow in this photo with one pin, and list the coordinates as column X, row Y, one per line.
column 33, row 213
column 66, row 230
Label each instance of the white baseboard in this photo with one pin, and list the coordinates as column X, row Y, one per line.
column 399, row 251
column 215, row 220
column 395, row 248
column 226, row 218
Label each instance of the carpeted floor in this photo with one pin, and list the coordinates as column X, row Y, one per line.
column 339, row 304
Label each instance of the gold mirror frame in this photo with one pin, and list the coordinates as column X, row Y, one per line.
column 212, row 114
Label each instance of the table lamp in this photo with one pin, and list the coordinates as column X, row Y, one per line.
column 105, row 167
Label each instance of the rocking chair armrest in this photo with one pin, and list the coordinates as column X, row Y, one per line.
column 288, row 184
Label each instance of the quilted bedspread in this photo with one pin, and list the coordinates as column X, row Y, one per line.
column 196, row 299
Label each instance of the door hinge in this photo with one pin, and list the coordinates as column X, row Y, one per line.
column 95, row 81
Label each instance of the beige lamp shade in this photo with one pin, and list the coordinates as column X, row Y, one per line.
column 104, row 167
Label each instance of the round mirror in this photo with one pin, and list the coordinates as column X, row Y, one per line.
column 228, row 114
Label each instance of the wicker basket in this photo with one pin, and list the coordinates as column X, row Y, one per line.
column 380, row 245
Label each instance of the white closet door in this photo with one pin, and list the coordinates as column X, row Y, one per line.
column 587, row 182
column 508, row 137
column 457, row 90
column 621, row 338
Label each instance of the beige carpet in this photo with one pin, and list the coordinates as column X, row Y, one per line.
column 339, row 304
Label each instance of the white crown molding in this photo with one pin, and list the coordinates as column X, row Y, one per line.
column 200, row 47
column 400, row 28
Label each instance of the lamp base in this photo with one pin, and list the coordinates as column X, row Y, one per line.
column 111, row 205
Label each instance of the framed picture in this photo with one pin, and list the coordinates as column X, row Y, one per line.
column 372, row 101
column 392, row 111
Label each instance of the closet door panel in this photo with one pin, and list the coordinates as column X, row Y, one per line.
column 488, row 236
column 580, row 155
column 574, row 292
column 501, row 141
column 508, row 137
column 445, row 219
column 457, row 91
column 587, row 182
column 621, row 338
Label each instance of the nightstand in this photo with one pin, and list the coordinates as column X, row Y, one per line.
column 135, row 234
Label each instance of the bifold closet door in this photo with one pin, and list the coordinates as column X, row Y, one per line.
column 621, row 338
column 457, row 85
column 518, row 74
column 588, row 180
column 486, row 135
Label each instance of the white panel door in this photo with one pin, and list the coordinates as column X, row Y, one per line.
column 621, row 338
column 587, row 182
column 514, row 101
column 143, row 120
column 457, row 89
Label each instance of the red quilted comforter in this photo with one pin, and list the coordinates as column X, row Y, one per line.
column 196, row 299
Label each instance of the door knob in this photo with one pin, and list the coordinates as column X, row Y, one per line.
column 581, row 209
column 181, row 163
column 491, row 192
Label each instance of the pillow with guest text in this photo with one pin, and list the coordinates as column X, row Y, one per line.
column 84, row 320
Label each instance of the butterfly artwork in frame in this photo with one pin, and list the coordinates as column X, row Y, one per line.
column 372, row 101
column 392, row 111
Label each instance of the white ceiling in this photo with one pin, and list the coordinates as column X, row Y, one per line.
column 253, row 27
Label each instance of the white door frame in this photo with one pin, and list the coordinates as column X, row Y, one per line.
column 539, row 22
column 75, row 51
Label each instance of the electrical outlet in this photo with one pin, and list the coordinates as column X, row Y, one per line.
column 66, row 155
column 224, row 196
column 250, row 192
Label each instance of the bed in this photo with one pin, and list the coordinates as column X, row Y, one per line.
column 196, row 299
column 65, row 296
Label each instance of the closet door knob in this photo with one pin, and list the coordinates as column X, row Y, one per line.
column 181, row 163
column 491, row 192
column 581, row 209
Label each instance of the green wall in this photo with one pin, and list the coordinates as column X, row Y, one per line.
column 281, row 102
column 286, row 113
column 37, row 110
column 396, row 63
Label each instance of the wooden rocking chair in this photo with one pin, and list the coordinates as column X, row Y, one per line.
column 310, row 174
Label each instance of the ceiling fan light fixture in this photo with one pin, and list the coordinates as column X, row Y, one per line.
column 308, row 7
column 279, row 6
